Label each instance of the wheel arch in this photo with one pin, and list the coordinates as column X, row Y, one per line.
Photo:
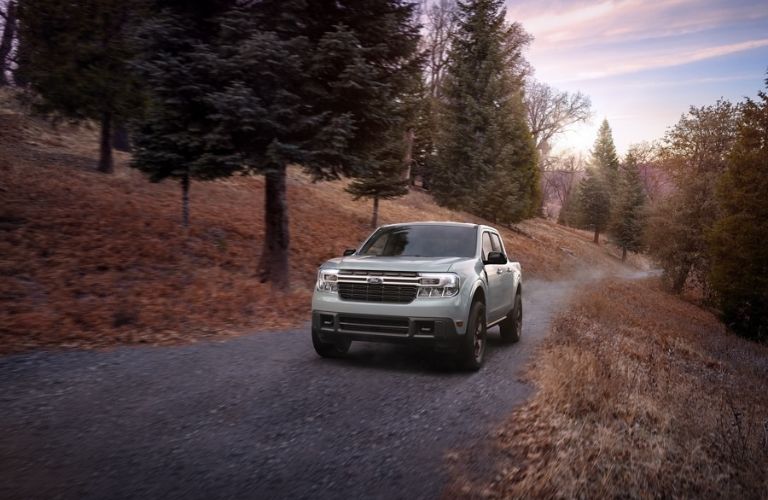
column 478, row 293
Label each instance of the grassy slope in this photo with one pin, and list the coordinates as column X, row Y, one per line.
column 93, row 260
column 640, row 395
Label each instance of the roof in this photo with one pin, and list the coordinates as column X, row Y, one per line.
column 432, row 223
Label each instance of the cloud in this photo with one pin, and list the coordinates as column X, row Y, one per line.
column 564, row 25
column 692, row 81
column 605, row 65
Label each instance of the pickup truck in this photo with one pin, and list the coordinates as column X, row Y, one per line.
column 443, row 284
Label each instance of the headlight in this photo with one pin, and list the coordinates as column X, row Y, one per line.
column 438, row 285
column 326, row 280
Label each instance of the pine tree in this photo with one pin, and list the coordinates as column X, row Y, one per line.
column 384, row 177
column 484, row 138
column 311, row 84
column 604, row 156
column 739, row 251
column 387, row 169
column 628, row 208
column 176, row 137
column 76, row 57
column 594, row 203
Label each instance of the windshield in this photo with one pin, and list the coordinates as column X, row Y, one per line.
column 422, row 241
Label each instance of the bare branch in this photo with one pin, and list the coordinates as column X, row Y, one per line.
column 550, row 111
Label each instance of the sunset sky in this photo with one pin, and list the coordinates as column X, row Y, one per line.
column 643, row 63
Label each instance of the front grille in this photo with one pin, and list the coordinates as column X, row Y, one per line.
column 364, row 292
column 392, row 326
column 363, row 272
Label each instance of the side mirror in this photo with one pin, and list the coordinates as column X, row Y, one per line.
column 496, row 259
column 349, row 251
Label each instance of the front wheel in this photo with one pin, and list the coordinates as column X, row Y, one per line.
column 512, row 326
column 330, row 349
column 472, row 350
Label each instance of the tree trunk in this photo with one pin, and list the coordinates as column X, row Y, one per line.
column 408, row 156
column 596, row 241
column 185, row 200
column 623, row 254
column 106, row 164
column 274, row 258
column 120, row 139
column 6, row 43
column 680, row 278
column 375, row 218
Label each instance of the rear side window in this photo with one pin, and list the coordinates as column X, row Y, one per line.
column 496, row 243
column 487, row 245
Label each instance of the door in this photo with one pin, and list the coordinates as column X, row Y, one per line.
column 495, row 275
column 507, row 275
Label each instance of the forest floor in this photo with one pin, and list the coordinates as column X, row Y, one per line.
column 639, row 394
column 94, row 260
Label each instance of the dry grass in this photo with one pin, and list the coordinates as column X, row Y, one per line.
column 640, row 395
column 93, row 260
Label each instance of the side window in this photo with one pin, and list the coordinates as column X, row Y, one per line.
column 496, row 243
column 487, row 245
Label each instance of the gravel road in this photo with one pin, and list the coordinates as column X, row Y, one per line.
column 260, row 416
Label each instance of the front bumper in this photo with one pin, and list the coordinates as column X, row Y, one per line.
column 440, row 333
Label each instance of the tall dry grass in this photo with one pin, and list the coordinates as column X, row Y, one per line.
column 640, row 395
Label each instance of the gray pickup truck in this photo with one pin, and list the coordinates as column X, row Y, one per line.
column 437, row 283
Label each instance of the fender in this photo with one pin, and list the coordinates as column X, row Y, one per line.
column 479, row 283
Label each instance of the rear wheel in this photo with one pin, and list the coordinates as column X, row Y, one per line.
column 512, row 326
column 330, row 349
column 472, row 350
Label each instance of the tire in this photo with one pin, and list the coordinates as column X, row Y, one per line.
column 472, row 350
column 511, row 328
column 330, row 349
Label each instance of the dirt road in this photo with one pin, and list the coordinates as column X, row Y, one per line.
column 259, row 416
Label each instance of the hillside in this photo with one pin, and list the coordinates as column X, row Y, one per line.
column 639, row 395
column 95, row 260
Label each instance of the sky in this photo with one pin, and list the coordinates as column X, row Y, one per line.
column 643, row 63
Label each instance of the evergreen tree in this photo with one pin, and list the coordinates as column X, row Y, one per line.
column 383, row 178
column 695, row 155
column 739, row 251
column 176, row 137
column 424, row 140
column 307, row 83
column 387, row 167
column 75, row 57
column 594, row 203
column 604, row 156
column 628, row 208
column 484, row 139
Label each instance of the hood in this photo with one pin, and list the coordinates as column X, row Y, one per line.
column 412, row 264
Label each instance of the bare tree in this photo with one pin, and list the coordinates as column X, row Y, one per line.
column 440, row 23
column 559, row 177
column 550, row 112
column 9, row 17
column 656, row 181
